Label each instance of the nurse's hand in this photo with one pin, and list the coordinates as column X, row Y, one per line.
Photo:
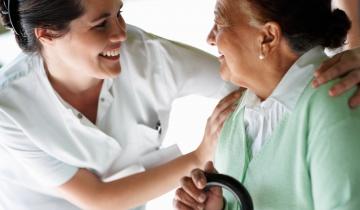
column 214, row 125
column 191, row 194
column 345, row 65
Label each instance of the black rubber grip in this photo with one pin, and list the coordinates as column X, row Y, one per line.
column 232, row 185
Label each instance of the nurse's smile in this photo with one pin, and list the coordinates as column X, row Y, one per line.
column 111, row 55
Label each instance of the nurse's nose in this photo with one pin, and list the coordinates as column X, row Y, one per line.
column 119, row 30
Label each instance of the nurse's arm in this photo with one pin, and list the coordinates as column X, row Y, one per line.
column 88, row 192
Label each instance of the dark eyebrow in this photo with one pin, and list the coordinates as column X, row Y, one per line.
column 105, row 15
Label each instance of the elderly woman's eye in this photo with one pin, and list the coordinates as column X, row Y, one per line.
column 101, row 25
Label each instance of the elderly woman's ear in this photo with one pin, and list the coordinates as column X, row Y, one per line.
column 269, row 39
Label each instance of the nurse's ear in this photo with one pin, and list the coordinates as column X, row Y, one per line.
column 269, row 39
column 46, row 36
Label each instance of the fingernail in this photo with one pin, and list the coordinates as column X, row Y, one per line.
column 331, row 92
column 352, row 105
column 315, row 83
column 200, row 183
column 200, row 207
column 320, row 81
column 202, row 197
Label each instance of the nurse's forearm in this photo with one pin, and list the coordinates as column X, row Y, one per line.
column 88, row 192
column 352, row 9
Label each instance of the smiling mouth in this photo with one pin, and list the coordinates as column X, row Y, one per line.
column 111, row 54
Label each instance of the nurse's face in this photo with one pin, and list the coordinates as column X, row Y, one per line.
column 236, row 40
column 93, row 42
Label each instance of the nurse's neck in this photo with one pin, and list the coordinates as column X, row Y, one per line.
column 78, row 90
column 71, row 80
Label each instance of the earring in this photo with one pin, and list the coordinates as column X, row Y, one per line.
column 261, row 56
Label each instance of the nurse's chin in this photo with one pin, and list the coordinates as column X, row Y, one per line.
column 106, row 73
column 112, row 73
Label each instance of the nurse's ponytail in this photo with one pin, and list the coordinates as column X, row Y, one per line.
column 23, row 16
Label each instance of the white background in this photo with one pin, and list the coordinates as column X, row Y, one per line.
column 187, row 21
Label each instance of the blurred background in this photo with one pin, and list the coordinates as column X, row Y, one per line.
column 186, row 21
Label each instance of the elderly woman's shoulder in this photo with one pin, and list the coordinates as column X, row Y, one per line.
column 321, row 107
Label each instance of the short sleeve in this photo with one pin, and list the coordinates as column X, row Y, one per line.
column 193, row 71
column 333, row 154
column 40, row 165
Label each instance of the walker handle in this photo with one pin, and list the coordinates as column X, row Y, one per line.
column 232, row 185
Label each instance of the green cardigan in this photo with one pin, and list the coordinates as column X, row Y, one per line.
column 311, row 161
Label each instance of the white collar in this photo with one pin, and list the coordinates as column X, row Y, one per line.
column 293, row 83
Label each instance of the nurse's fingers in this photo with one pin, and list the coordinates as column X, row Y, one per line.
column 229, row 100
column 325, row 66
column 185, row 199
column 191, row 189
column 351, row 80
column 337, row 66
column 355, row 99
column 220, row 120
column 198, row 178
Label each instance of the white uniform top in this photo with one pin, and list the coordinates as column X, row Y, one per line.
column 43, row 140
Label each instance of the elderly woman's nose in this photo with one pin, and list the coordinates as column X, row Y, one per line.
column 211, row 36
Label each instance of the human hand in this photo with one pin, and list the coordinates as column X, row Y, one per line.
column 346, row 64
column 191, row 195
column 214, row 125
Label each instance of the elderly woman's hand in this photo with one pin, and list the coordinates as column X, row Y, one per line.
column 191, row 195
column 346, row 64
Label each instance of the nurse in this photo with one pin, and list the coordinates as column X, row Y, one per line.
column 84, row 109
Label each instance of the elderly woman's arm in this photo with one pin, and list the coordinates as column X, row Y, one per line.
column 333, row 153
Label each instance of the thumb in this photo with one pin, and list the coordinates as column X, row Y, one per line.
column 209, row 167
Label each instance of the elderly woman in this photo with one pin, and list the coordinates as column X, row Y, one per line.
column 292, row 146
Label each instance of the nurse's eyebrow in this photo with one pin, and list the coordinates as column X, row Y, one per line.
column 105, row 15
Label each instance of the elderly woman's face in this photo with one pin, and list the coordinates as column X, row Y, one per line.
column 236, row 40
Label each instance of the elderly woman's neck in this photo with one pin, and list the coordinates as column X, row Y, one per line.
column 273, row 70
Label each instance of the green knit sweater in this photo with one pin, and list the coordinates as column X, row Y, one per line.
column 311, row 161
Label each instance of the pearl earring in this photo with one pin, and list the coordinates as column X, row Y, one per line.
column 261, row 56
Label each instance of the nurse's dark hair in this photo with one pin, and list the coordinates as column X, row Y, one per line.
column 304, row 23
column 23, row 16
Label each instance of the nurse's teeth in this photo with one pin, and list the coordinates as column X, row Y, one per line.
column 111, row 53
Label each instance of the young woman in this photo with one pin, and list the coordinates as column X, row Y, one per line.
column 84, row 109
